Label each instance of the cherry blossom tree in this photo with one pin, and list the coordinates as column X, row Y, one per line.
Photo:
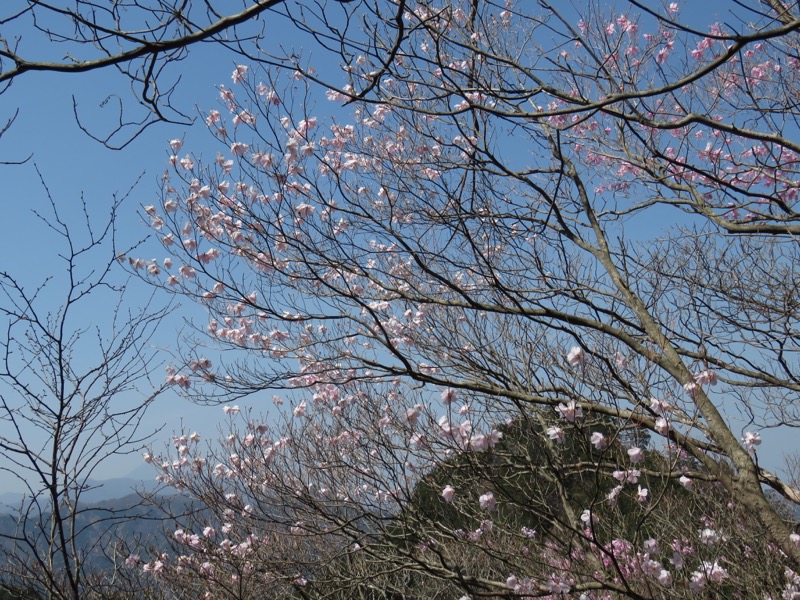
column 75, row 387
column 527, row 296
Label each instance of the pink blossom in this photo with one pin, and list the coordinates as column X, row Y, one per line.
column 576, row 356
column 448, row 493
column 176, row 145
column 706, row 377
column 231, row 410
column 133, row 560
column 412, row 414
column 636, row 454
column 495, row 437
column 448, row 396
column 659, row 406
column 627, row 25
column 598, row 440
column 557, row 587
column 179, row 380
column 238, row 148
column 245, row 117
column 587, row 517
column 708, row 536
column 304, row 210
column 263, row 160
column 685, row 482
column 629, row 476
column 418, row 441
column 213, row 117
column 487, row 501
column 707, row 571
column 336, row 96
column 300, row 409
column 187, row 163
column 650, row 567
column 677, row 556
column 478, row 443
column 556, row 434
column 306, row 125
column 239, row 73
column 662, row 426
column 751, row 440
column 651, row 547
column 570, row 411
column 641, row 494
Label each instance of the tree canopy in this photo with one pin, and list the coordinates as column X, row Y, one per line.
column 523, row 278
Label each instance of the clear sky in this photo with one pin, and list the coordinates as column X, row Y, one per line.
column 73, row 166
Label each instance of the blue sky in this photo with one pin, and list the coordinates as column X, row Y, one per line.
column 74, row 166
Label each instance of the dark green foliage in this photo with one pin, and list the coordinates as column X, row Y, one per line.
column 14, row 592
column 525, row 473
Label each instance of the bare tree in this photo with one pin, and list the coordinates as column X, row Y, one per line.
column 556, row 253
column 74, row 386
column 144, row 40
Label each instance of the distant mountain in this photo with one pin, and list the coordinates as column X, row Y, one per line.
column 10, row 500
column 101, row 523
column 109, row 489
column 109, row 510
column 141, row 479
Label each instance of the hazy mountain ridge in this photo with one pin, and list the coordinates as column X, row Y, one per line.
column 133, row 518
column 140, row 480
